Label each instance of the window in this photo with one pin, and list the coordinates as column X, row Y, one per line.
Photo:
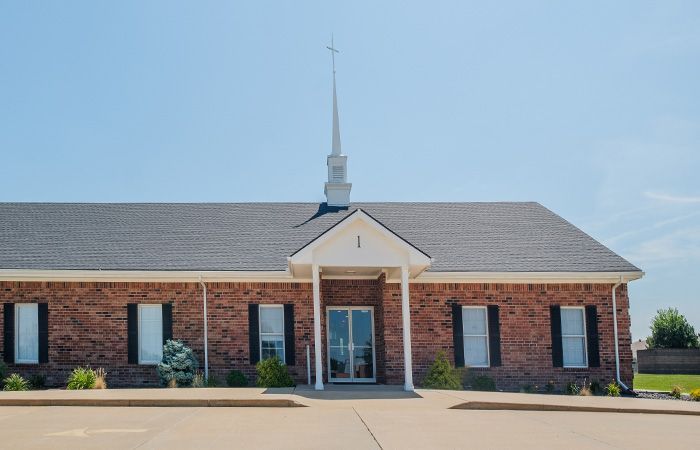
column 475, row 330
column 573, row 337
column 150, row 334
column 27, row 333
column 272, row 331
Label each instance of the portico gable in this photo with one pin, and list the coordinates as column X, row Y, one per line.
column 359, row 246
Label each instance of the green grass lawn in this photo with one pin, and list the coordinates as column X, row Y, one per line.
column 654, row 382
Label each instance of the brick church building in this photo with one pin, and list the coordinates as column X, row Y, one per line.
column 369, row 291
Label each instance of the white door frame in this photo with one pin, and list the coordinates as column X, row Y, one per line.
column 352, row 378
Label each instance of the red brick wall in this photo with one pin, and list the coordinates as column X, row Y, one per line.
column 525, row 329
column 87, row 325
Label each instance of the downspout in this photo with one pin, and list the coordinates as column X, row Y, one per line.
column 617, row 350
column 206, row 346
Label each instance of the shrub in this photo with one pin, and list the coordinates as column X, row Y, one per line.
column 179, row 364
column 441, row 374
column 676, row 392
column 528, row 389
column 572, row 388
column 483, row 383
column 38, row 381
column 198, row 380
column 236, row 378
column 100, row 379
column 212, row 382
column 585, row 392
column 81, row 378
column 596, row 388
column 695, row 395
column 273, row 373
column 3, row 370
column 550, row 387
column 670, row 329
column 15, row 383
column 612, row 389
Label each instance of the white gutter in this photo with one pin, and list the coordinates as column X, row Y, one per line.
column 617, row 350
column 206, row 345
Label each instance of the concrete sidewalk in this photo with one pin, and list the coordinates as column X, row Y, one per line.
column 344, row 396
column 183, row 397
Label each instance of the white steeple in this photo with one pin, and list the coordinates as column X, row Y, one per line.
column 337, row 188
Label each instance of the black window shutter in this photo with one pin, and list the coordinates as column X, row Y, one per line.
column 132, row 324
column 592, row 336
column 43, row 332
column 458, row 335
column 9, row 333
column 254, row 333
column 555, row 321
column 289, row 353
column 494, row 336
column 167, row 311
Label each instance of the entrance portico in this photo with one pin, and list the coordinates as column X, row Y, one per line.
column 359, row 247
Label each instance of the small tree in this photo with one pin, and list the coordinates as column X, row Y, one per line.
column 441, row 374
column 670, row 329
column 179, row 364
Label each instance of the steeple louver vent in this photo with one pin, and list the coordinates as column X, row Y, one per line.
column 338, row 174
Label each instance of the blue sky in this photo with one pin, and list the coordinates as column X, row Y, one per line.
column 590, row 108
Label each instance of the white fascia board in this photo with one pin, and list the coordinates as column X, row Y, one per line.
column 147, row 275
column 526, row 277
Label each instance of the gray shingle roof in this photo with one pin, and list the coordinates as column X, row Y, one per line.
column 469, row 237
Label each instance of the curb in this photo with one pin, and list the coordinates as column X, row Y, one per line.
column 497, row 406
column 198, row 403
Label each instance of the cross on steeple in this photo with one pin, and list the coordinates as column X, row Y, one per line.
column 333, row 52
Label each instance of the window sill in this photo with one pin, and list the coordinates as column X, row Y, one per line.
column 27, row 362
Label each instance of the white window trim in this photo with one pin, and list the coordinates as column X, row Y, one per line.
column 464, row 335
column 584, row 336
column 260, row 332
column 17, row 337
column 140, row 306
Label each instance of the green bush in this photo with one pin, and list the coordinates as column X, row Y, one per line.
column 178, row 364
column 596, row 388
column 38, row 381
column 483, row 383
column 670, row 329
column 273, row 373
column 550, row 387
column 441, row 374
column 81, row 378
column 612, row 389
column 528, row 389
column 676, row 392
column 695, row 395
column 572, row 388
column 212, row 381
column 236, row 378
column 15, row 383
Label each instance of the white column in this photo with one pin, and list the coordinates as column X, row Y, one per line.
column 317, row 328
column 406, row 316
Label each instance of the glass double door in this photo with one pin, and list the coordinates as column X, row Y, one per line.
column 351, row 344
